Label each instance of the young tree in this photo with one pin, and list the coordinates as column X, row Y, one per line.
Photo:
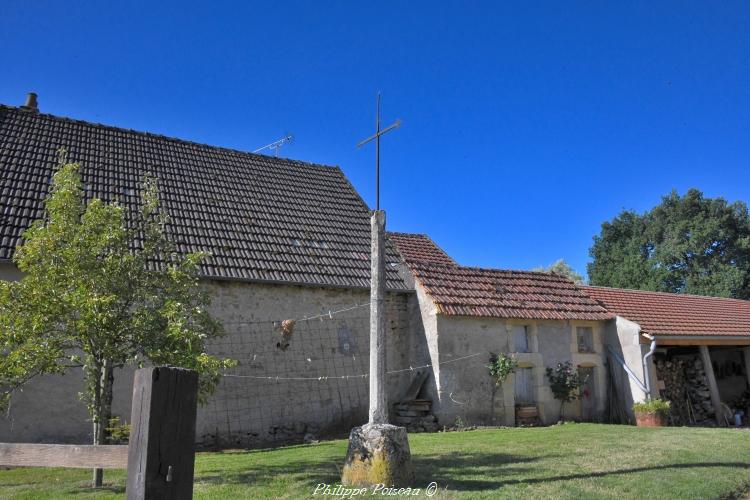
column 100, row 293
column 561, row 268
column 565, row 382
column 686, row 244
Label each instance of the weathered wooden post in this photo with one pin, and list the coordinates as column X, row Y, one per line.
column 713, row 388
column 161, row 453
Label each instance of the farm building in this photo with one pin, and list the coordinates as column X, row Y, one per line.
column 291, row 240
column 697, row 350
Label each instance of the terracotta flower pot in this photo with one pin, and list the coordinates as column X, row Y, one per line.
column 657, row 419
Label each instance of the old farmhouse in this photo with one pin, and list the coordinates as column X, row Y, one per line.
column 290, row 240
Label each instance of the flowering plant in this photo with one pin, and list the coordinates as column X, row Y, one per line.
column 565, row 382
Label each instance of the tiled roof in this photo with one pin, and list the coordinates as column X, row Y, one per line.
column 660, row 313
column 262, row 218
column 419, row 248
column 471, row 291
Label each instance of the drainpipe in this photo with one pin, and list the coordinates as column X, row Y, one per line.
column 646, row 374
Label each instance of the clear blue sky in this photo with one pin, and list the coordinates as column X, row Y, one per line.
column 525, row 124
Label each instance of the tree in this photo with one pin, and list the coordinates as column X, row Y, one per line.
column 500, row 367
column 565, row 383
column 561, row 268
column 99, row 293
column 686, row 244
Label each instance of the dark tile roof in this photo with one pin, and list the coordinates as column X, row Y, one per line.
column 660, row 313
column 419, row 248
column 472, row 291
column 262, row 218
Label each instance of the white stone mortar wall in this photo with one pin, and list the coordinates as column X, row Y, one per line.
column 247, row 412
column 465, row 387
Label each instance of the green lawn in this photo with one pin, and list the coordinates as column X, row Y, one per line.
column 566, row 461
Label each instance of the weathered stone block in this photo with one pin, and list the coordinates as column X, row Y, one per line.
column 378, row 454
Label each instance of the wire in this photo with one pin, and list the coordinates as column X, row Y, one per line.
column 345, row 377
column 330, row 314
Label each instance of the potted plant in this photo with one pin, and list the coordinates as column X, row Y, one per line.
column 652, row 413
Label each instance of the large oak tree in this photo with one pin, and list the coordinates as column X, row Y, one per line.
column 686, row 244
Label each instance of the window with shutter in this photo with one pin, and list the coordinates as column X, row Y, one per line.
column 585, row 336
column 521, row 338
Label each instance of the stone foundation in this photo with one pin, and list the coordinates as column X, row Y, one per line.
column 378, row 454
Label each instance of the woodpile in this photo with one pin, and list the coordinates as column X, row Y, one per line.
column 415, row 415
column 699, row 393
column 683, row 383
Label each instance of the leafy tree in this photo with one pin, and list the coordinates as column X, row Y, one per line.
column 100, row 293
column 561, row 268
column 564, row 381
column 686, row 244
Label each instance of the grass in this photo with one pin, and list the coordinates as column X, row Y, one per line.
column 566, row 461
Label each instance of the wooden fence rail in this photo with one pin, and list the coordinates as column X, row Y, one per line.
column 161, row 456
column 64, row 455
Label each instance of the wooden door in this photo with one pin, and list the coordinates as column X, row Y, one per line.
column 588, row 393
column 524, row 386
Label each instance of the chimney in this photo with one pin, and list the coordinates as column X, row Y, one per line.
column 31, row 104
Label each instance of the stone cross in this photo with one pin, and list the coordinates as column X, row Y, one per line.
column 378, row 402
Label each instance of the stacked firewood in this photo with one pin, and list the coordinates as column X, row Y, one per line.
column 673, row 388
column 415, row 415
column 683, row 383
column 699, row 393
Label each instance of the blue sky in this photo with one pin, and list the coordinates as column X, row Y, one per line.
column 526, row 125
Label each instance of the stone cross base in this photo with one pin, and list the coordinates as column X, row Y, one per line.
column 378, row 454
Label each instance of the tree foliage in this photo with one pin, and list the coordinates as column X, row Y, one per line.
column 100, row 292
column 686, row 244
column 561, row 268
column 564, row 382
column 501, row 366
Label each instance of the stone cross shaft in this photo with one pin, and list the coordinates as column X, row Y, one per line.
column 378, row 403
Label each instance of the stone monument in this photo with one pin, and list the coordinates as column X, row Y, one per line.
column 378, row 452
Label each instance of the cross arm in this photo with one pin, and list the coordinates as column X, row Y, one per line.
column 396, row 124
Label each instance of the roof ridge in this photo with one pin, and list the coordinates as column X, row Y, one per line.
column 400, row 233
column 165, row 137
column 665, row 294
column 493, row 269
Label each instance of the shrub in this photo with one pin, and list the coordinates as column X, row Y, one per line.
column 500, row 367
column 564, row 381
column 652, row 406
column 119, row 431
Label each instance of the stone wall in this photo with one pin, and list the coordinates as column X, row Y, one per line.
column 251, row 411
column 465, row 389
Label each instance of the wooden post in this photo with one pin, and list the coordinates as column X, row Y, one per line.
column 378, row 403
column 712, row 387
column 746, row 351
column 161, row 454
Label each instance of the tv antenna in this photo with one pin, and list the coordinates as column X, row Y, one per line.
column 276, row 145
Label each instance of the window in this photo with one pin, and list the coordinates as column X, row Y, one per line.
column 521, row 339
column 524, row 386
column 585, row 336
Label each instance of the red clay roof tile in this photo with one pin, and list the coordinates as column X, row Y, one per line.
column 470, row 291
column 660, row 313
